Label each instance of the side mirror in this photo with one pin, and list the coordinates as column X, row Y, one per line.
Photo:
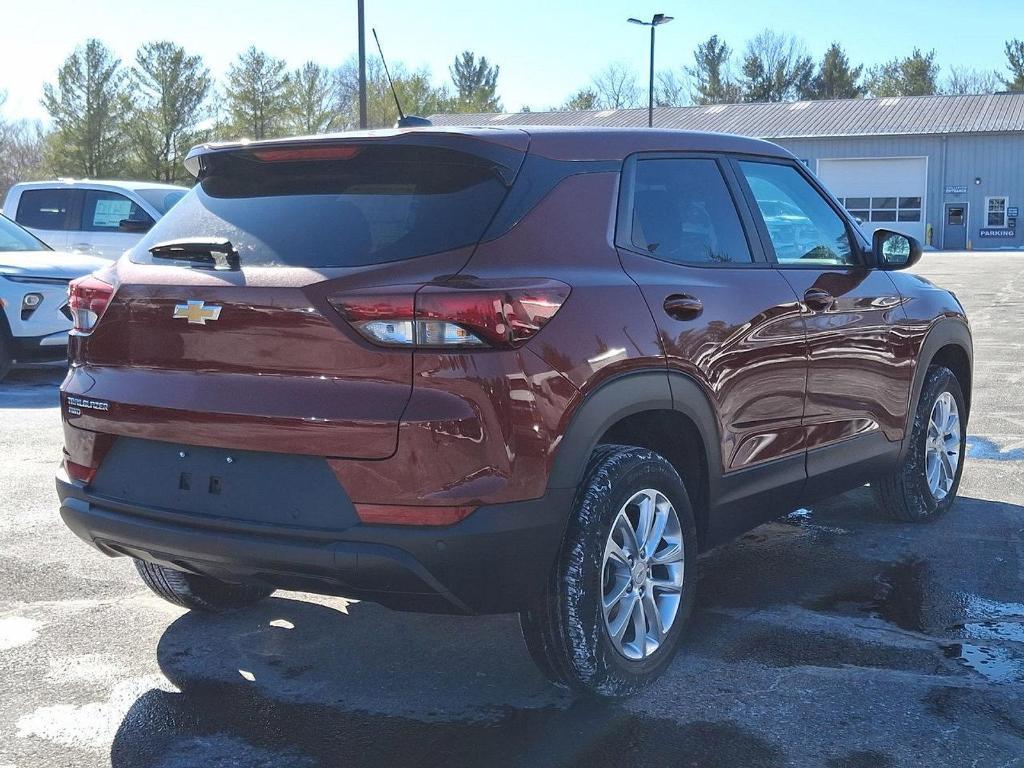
column 894, row 250
column 135, row 226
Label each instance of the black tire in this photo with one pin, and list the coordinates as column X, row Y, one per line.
column 198, row 593
column 565, row 630
column 6, row 351
column 904, row 493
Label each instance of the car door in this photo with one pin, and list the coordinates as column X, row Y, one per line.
column 856, row 390
column 726, row 318
column 47, row 214
column 110, row 224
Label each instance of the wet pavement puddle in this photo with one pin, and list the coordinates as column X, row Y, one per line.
column 988, row 634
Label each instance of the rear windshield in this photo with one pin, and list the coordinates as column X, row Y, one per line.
column 381, row 204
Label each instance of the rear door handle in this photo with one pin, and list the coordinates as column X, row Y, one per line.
column 818, row 299
column 683, row 307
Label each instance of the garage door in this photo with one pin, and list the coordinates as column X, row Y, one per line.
column 882, row 192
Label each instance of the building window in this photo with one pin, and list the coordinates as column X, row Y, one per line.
column 883, row 209
column 995, row 212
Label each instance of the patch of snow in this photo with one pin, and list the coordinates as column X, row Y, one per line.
column 17, row 630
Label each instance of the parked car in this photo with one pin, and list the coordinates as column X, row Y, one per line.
column 491, row 370
column 34, row 314
column 98, row 218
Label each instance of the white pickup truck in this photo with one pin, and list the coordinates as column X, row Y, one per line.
column 97, row 218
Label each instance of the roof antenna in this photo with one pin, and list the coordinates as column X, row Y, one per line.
column 411, row 121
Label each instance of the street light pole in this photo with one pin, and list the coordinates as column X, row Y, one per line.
column 361, row 24
column 650, row 85
column 656, row 21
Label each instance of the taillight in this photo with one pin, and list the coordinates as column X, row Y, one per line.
column 478, row 314
column 291, row 154
column 88, row 297
column 84, row 451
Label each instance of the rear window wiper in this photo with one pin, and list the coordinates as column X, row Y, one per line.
column 215, row 251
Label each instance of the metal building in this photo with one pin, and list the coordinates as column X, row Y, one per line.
column 947, row 169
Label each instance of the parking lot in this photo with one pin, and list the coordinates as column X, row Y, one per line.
column 831, row 637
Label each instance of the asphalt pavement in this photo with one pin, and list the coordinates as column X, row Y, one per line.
column 832, row 637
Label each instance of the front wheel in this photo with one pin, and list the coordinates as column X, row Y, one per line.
column 6, row 352
column 623, row 588
column 925, row 484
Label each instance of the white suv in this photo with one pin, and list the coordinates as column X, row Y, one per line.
column 98, row 218
column 34, row 314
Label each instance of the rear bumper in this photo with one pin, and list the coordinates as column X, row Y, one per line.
column 39, row 349
column 494, row 561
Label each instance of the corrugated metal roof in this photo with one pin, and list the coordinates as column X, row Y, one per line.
column 892, row 116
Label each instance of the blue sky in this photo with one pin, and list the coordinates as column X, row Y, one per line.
column 546, row 49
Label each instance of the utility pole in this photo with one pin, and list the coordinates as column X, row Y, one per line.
column 656, row 21
column 362, row 65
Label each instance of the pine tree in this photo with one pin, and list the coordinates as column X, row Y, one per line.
column 835, row 78
column 1015, row 63
column 85, row 108
column 312, row 100
column 476, row 83
column 257, row 95
column 710, row 73
column 915, row 75
column 167, row 91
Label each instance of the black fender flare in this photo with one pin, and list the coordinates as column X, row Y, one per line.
column 949, row 331
column 626, row 395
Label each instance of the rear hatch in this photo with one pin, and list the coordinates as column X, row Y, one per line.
column 247, row 350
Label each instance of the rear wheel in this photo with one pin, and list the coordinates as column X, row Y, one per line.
column 624, row 584
column 199, row 593
column 926, row 482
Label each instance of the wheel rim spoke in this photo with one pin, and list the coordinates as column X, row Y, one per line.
column 672, row 553
column 645, row 522
column 640, row 628
column 653, row 615
column 617, row 553
column 617, row 628
column 615, row 596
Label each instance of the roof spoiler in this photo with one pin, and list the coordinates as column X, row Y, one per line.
column 506, row 153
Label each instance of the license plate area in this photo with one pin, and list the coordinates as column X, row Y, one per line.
column 250, row 486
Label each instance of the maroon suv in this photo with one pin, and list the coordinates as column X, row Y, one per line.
column 491, row 370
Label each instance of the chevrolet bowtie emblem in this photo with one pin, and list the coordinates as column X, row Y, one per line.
column 196, row 312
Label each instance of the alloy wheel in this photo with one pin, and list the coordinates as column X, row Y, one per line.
column 642, row 574
column 942, row 446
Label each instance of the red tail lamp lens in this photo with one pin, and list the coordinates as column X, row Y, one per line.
column 288, row 154
column 80, row 472
column 472, row 314
column 84, row 451
column 501, row 315
column 88, row 297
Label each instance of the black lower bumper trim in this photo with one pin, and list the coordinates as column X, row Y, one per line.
column 494, row 561
column 30, row 349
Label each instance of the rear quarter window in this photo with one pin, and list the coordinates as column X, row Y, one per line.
column 381, row 205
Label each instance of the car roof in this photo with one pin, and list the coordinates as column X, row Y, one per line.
column 96, row 184
column 556, row 142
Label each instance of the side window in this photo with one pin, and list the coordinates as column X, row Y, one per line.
column 683, row 212
column 104, row 212
column 44, row 208
column 804, row 229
